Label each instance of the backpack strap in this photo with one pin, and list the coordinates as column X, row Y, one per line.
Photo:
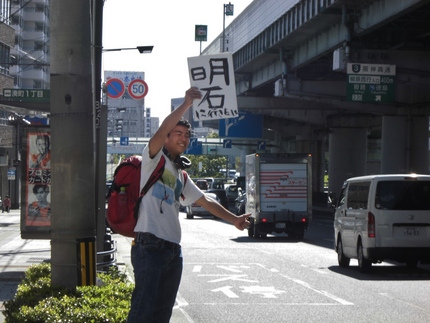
column 185, row 182
column 155, row 176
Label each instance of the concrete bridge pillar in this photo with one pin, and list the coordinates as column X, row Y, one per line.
column 405, row 145
column 347, row 155
column 315, row 147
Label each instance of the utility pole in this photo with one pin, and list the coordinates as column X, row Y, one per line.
column 73, row 139
column 100, row 127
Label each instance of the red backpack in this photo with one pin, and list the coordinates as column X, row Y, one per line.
column 124, row 198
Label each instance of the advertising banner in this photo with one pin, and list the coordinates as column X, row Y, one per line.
column 36, row 183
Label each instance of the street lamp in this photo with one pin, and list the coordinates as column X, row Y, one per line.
column 101, row 139
column 141, row 49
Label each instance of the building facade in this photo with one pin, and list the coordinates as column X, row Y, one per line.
column 7, row 43
column 127, row 116
column 29, row 58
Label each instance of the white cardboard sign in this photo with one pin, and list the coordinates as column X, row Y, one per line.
column 214, row 76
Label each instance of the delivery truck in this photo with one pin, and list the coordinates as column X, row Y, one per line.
column 279, row 194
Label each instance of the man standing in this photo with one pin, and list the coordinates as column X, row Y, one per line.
column 156, row 253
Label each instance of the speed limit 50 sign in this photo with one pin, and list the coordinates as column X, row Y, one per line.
column 137, row 89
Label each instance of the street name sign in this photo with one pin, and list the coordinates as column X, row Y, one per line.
column 27, row 95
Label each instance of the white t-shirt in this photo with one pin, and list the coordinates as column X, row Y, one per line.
column 159, row 209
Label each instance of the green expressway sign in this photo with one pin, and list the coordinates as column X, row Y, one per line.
column 370, row 83
column 27, row 95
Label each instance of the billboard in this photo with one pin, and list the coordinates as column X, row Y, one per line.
column 36, row 183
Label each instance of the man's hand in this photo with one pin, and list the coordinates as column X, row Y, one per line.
column 242, row 222
column 192, row 94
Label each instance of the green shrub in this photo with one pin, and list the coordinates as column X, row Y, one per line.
column 36, row 301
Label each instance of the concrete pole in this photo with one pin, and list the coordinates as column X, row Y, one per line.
column 72, row 131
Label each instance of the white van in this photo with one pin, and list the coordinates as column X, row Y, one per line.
column 383, row 217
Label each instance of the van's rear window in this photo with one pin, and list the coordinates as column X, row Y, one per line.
column 403, row 195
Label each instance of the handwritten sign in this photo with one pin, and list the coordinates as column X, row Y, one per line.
column 214, row 76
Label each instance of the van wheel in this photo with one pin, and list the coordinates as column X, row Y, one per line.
column 364, row 265
column 341, row 258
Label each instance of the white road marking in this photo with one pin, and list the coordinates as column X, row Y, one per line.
column 226, row 290
column 333, row 297
column 181, row 303
column 197, row 269
column 399, row 300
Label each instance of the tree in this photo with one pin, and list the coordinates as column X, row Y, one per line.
column 210, row 165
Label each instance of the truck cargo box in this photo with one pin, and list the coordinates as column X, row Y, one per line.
column 279, row 194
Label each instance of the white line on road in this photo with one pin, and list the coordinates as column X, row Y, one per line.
column 304, row 284
column 197, row 269
column 399, row 300
column 181, row 303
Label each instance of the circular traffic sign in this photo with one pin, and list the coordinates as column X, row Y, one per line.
column 137, row 89
column 115, row 88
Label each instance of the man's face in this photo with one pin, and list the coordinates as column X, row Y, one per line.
column 41, row 194
column 41, row 147
column 178, row 140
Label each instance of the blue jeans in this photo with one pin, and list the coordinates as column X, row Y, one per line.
column 157, row 265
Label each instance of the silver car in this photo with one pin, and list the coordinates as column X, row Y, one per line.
column 195, row 209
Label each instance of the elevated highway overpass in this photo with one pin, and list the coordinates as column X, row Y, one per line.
column 290, row 61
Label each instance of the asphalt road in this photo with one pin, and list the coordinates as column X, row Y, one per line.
column 229, row 277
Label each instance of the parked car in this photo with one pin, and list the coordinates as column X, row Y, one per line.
column 210, row 180
column 202, row 184
column 220, row 192
column 217, row 184
column 383, row 217
column 196, row 209
column 232, row 192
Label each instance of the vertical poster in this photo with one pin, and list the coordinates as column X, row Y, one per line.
column 36, row 193
column 214, row 76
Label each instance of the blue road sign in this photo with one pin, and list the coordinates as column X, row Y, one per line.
column 115, row 88
column 123, row 141
column 226, row 143
column 11, row 174
column 194, row 148
column 261, row 145
column 246, row 125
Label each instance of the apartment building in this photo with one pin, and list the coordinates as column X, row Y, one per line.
column 29, row 59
